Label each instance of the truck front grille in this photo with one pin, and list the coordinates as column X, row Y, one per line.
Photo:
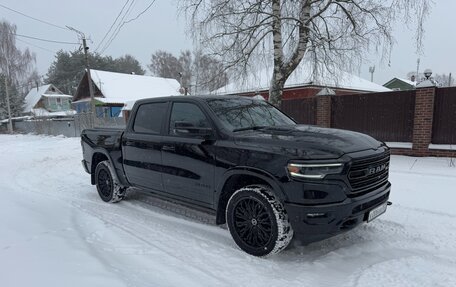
column 369, row 173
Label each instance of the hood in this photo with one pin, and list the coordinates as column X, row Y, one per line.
column 307, row 142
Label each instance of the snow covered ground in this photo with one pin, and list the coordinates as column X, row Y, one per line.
column 54, row 231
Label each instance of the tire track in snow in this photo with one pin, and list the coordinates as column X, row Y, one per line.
column 164, row 245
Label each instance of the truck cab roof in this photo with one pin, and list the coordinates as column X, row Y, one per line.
column 193, row 97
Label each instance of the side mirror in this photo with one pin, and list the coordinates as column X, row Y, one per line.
column 188, row 129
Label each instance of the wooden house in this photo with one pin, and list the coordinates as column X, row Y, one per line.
column 47, row 102
column 113, row 90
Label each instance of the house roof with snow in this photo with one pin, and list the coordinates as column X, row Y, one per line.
column 400, row 84
column 304, row 75
column 35, row 94
column 407, row 81
column 119, row 88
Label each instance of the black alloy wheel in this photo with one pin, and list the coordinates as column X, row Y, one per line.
column 252, row 222
column 108, row 187
column 258, row 221
column 104, row 181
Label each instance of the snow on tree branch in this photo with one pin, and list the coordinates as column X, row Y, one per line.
column 334, row 34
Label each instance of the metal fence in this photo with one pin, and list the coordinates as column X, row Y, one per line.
column 444, row 121
column 302, row 110
column 54, row 127
column 387, row 116
column 70, row 127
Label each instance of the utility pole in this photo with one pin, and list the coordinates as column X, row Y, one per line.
column 89, row 77
column 417, row 79
column 371, row 71
column 181, row 89
column 10, row 121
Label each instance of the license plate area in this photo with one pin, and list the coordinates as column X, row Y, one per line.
column 376, row 212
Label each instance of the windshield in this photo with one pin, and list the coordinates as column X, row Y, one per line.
column 244, row 113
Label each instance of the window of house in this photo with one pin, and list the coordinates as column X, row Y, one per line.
column 115, row 111
column 52, row 103
column 149, row 118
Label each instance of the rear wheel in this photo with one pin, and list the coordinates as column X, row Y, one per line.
column 258, row 221
column 108, row 186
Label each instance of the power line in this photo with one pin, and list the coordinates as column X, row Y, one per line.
column 139, row 15
column 36, row 19
column 110, row 28
column 46, row 40
column 128, row 21
column 114, row 34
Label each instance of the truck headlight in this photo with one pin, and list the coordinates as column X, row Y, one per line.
column 313, row 170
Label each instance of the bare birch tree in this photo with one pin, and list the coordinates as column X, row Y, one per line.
column 333, row 34
column 197, row 72
column 16, row 67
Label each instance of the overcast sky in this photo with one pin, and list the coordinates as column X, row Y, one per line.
column 162, row 28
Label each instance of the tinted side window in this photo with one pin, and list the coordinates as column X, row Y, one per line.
column 149, row 118
column 238, row 113
column 187, row 112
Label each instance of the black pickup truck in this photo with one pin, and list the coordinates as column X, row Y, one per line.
column 268, row 178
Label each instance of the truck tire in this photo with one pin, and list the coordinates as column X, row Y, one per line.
column 108, row 186
column 257, row 221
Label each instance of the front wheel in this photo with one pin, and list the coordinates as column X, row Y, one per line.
column 108, row 186
column 257, row 221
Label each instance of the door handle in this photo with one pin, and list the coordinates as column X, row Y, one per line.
column 168, row 148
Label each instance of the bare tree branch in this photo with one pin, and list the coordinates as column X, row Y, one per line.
column 334, row 35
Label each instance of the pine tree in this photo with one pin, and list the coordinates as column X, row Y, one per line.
column 68, row 68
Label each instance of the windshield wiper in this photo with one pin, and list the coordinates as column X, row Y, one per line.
column 249, row 128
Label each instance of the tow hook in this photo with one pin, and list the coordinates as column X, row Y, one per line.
column 389, row 203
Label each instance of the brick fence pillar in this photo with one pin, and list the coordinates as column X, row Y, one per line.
column 424, row 113
column 324, row 108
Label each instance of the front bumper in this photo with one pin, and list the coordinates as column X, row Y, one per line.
column 316, row 222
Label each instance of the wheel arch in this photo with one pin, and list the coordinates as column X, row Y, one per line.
column 237, row 178
column 98, row 156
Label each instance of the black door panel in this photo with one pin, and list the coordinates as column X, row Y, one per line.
column 142, row 147
column 188, row 168
column 188, row 160
column 142, row 160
